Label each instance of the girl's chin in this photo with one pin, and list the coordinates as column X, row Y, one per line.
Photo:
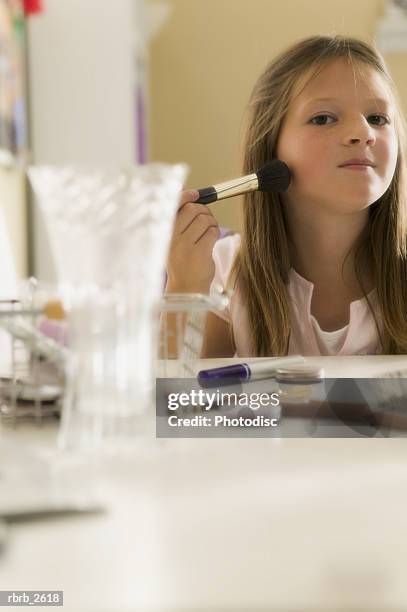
column 352, row 202
column 340, row 206
column 347, row 207
column 342, row 202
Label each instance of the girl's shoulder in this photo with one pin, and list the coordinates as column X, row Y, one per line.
column 223, row 255
column 226, row 248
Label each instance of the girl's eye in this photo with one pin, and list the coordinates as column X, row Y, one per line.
column 317, row 119
column 320, row 120
column 385, row 119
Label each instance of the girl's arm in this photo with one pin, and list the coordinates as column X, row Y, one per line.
column 218, row 339
column 190, row 267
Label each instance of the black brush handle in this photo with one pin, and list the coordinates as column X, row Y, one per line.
column 207, row 195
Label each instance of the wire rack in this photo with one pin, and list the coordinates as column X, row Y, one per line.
column 31, row 387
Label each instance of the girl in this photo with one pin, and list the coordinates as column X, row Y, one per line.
column 320, row 269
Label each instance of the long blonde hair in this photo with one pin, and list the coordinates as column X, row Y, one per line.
column 262, row 265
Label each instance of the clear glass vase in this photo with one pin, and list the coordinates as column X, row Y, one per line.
column 109, row 233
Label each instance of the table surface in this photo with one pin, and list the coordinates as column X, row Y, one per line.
column 217, row 524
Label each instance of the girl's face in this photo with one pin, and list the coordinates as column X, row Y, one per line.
column 355, row 119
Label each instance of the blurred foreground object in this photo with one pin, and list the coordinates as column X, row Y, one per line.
column 32, row 7
column 109, row 231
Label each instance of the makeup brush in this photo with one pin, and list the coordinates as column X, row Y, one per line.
column 272, row 177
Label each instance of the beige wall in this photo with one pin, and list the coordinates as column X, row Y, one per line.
column 205, row 60
column 13, row 202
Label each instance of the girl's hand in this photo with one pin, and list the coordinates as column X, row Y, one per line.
column 190, row 266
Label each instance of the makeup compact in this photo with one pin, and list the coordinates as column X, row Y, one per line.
column 297, row 384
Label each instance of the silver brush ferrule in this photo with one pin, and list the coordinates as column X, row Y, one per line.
column 229, row 189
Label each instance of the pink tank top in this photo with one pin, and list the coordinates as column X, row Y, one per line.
column 361, row 337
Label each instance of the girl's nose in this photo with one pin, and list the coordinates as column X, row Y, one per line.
column 360, row 132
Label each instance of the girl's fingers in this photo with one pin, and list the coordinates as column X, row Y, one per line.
column 187, row 215
column 211, row 233
column 189, row 195
column 197, row 216
column 197, row 228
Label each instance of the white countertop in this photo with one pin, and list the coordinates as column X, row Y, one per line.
column 335, row 367
column 220, row 524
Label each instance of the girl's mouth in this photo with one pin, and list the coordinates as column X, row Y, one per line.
column 359, row 167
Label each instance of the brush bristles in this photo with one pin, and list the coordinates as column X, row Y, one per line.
column 274, row 176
